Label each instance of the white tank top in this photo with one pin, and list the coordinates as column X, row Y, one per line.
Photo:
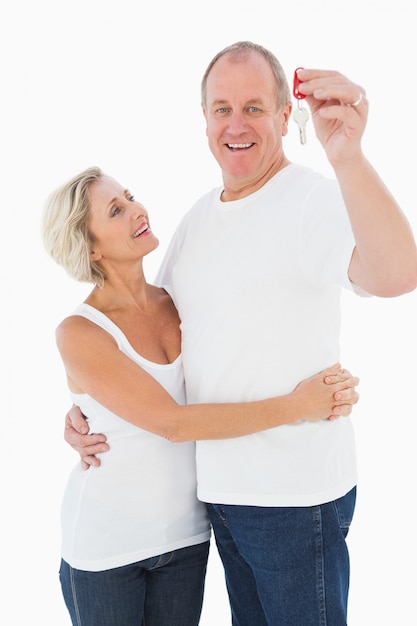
column 141, row 501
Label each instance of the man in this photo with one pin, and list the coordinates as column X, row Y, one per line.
column 255, row 270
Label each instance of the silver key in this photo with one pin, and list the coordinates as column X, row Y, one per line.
column 301, row 116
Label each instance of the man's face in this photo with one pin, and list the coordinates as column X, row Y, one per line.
column 244, row 126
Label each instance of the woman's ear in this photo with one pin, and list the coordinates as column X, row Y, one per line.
column 95, row 255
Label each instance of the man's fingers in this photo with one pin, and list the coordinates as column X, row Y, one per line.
column 90, row 461
column 75, row 419
column 79, row 441
column 92, row 450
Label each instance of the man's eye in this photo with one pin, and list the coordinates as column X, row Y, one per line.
column 221, row 110
column 254, row 109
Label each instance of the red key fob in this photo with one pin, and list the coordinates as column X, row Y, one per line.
column 296, row 85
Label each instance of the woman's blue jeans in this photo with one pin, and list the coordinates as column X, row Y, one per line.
column 165, row 590
column 285, row 566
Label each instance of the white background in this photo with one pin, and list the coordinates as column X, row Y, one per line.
column 116, row 84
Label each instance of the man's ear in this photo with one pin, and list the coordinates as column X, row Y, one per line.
column 205, row 117
column 286, row 116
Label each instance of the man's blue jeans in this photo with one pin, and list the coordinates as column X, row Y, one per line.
column 285, row 566
column 165, row 590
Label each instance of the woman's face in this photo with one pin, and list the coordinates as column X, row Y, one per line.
column 118, row 224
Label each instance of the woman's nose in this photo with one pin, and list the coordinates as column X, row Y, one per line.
column 139, row 212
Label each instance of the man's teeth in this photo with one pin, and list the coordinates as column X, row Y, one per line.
column 239, row 145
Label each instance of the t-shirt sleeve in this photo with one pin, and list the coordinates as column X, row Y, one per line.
column 164, row 275
column 326, row 237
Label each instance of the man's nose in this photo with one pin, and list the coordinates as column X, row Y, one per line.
column 236, row 123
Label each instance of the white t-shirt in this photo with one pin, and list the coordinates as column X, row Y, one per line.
column 257, row 285
column 141, row 501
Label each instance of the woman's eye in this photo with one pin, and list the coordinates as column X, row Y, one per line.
column 115, row 211
column 131, row 198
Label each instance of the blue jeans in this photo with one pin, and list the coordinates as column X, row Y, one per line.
column 165, row 590
column 285, row 566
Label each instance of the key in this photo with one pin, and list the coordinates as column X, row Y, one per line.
column 301, row 116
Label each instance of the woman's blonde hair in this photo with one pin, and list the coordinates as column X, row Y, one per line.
column 65, row 227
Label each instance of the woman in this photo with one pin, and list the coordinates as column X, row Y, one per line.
column 134, row 536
